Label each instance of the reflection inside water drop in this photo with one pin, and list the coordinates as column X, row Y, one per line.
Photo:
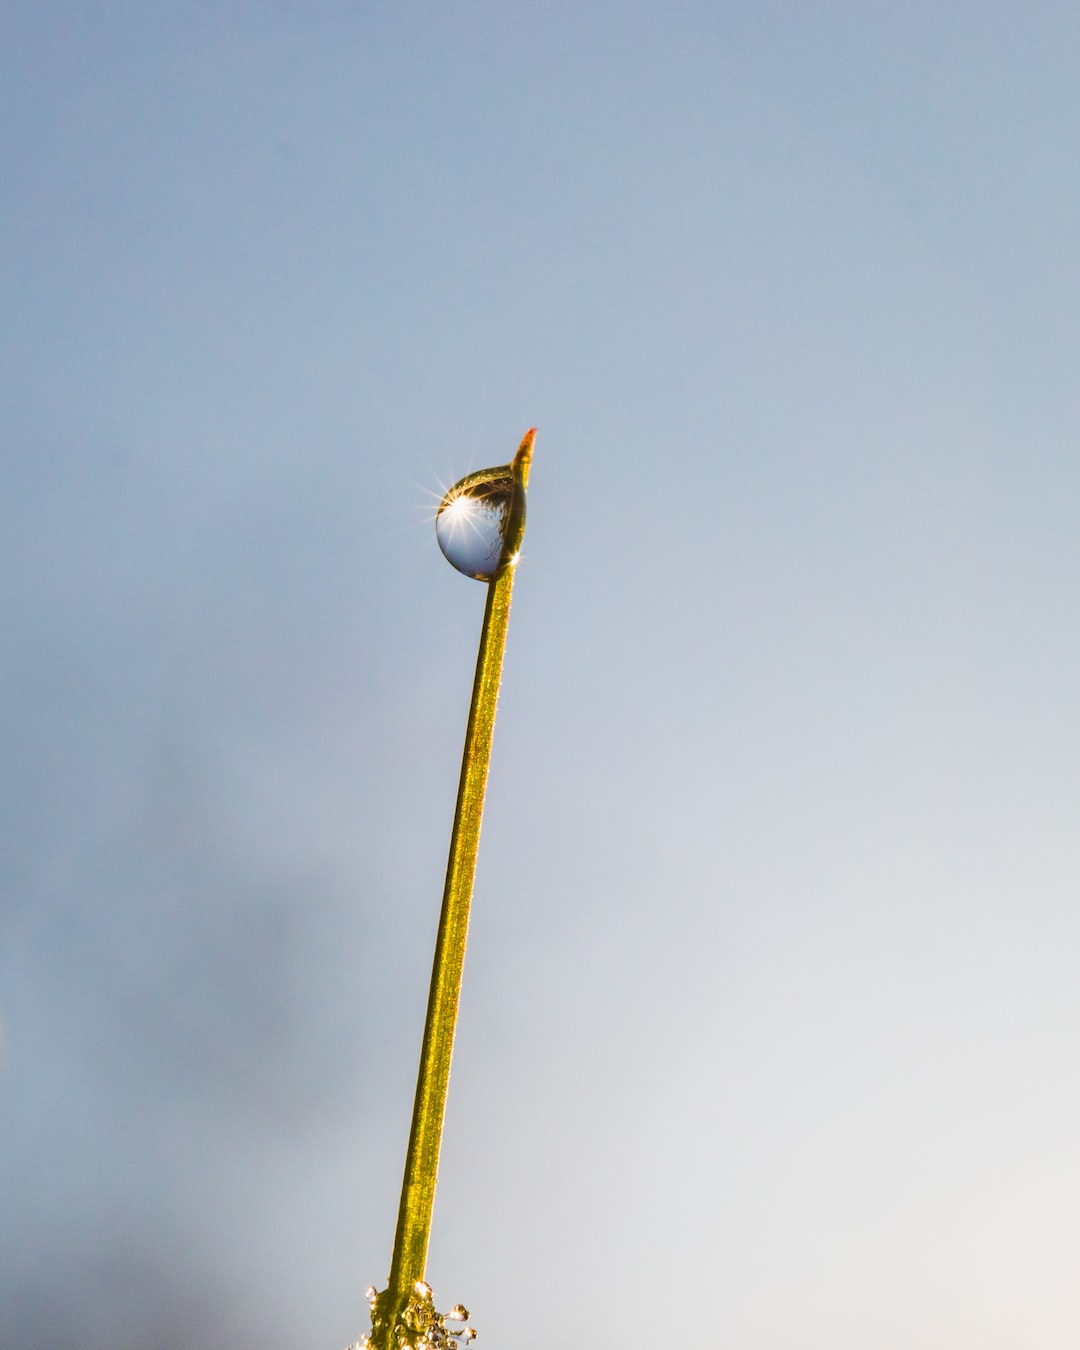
column 474, row 519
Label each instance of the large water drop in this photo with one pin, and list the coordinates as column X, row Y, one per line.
column 473, row 521
column 481, row 520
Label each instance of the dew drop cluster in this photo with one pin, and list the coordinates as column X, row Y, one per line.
column 420, row 1326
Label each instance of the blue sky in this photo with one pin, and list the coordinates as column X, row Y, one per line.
column 770, row 1011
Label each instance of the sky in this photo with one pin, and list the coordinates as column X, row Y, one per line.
column 769, row 1025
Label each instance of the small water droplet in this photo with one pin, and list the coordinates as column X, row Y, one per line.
column 481, row 519
column 471, row 524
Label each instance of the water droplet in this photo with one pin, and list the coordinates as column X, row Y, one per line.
column 481, row 519
column 471, row 525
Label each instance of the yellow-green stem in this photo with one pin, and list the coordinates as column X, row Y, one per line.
column 425, row 1136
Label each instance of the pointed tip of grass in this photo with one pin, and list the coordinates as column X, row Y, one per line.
column 523, row 458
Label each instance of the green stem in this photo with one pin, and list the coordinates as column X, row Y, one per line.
column 418, row 1186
